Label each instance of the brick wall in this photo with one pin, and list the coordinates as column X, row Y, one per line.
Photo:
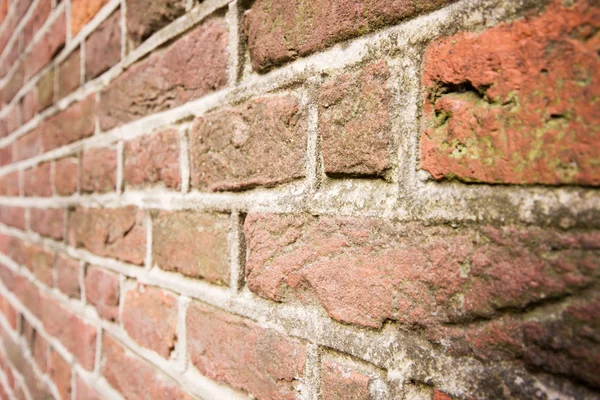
column 291, row 199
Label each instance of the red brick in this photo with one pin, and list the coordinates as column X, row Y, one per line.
column 60, row 373
column 45, row 90
column 560, row 341
column 151, row 159
column 37, row 182
column 66, row 172
column 281, row 31
column 67, row 276
column 46, row 47
column 37, row 344
column 354, row 121
column 99, row 170
column 10, row 59
column 364, row 271
column 437, row 395
column 134, row 378
column 29, row 106
column 40, row 262
column 84, row 392
column 260, row 143
column 190, row 67
column 150, row 318
column 76, row 335
column 343, row 382
column 242, row 354
column 192, row 244
column 82, row 12
column 515, row 103
column 13, row 216
column 69, row 74
column 103, row 46
column 9, row 184
column 3, row 10
column 29, row 145
column 35, row 22
column 11, row 121
column 144, row 18
column 14, row 83
column 48, row 222
column 6, row 155
column 102, row 291
column 75, row 123
column 9, row 29
column 9, row 312
column 21, row 7
column 119, row 233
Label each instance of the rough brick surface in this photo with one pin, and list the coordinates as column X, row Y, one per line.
column 46, row 47
column 67, row 276
column 364, row 271
column 69, row 75
column 60, row 373
column 37, row 181
column 260, row 143
column 103, row 47
column 102, row 291
column 281, row 31
column 190, row 67
column 82, row 11
column 45, row 90
column 193, row 244
column 99, row 170
column 13, row 216
column 40, row 262
column 239, row 352
column 134, row 378
column 150, row 318
column 75, row 123
column 118, row 233
column 516, row 103
column 9, row 184
column 354, row 122
column 66, row 172
column 48, row 222
column 143, row 18
column 341, row 382
column 29, row 106
column 39, row 17
column 153, row 159
column 84, row 392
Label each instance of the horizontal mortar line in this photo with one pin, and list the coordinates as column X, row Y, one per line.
column 377, row 44
column 179, row 26
column 20, row 25
column 88, row 313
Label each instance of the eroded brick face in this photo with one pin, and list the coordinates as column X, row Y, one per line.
column 144, row 19
column 516, row 103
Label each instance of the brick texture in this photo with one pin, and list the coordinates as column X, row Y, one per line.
column 143, row 18
column 69, row 74
column 99, row 170
column 103, row 47
column 102, row 291
column 47, row 222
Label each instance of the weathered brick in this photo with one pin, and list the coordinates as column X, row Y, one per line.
column 9, row 184
column 143, row 18
column 73, row 124
column 10, row 59
column 281, row 31
column 21, row 7
column 37, row 344
column 188, row 68
column 134, row 378
column 35, row 22
column 99, row 170
column 151, row 159
column 437, row 395
column 83, row 391
column 150, row 318
column 12, row 248
column 354, row 121
column 46, row 47
column 13, row 216
column 3, row 10
column 14, row 83
column 9, row 312
column 515, row 103
column 239, row 352
column 45, row 90
column 192, row 244
column 367, row 270
column 343, row 382
column 6, row 155
column 260, row 143
column 28, row 145
column 60, row 373
column 47, row 222
column 66, row 176
column 67, row 276
column 74, row 333
column 118, row 233
column 6, row 34
column 82, row 12
column 103, row 46
column 37, row 182
column 102, row 291
column 29, row 106
column 69, row 75
column 11, row 121
column 561, row 341
column 40, row 262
